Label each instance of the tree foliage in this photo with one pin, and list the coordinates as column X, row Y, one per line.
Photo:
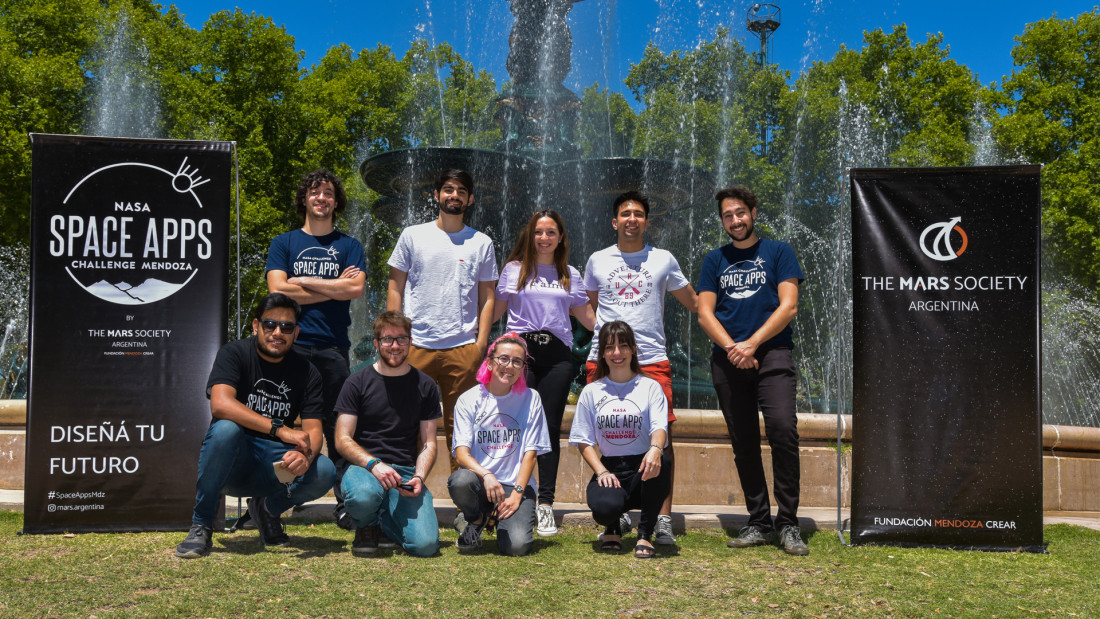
column 1053, row 119
column 893, row 102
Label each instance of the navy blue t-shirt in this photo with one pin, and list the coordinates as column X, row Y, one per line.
column 747, row 284
column 299, row 254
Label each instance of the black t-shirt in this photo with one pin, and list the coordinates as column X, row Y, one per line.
column 390, row 409
column 285, row 390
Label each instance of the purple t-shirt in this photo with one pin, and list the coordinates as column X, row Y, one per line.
column 542, row 305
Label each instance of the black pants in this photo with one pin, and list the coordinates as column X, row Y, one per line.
column 549, row 373
column 772, row 389
column 333, row 364
column 607, row 504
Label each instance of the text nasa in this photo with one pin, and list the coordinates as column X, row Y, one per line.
column 110, row 237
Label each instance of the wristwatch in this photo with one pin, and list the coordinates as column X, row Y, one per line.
column 518, row 488
column 275, row 425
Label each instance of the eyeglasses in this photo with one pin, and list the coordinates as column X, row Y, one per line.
column 286, row 327
column 506, row 361
column 401, row 340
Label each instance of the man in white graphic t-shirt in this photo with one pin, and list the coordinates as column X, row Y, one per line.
column 627, row 281
column 442, row 275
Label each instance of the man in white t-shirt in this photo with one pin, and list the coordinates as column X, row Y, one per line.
column 443, row 274
column 627, row 281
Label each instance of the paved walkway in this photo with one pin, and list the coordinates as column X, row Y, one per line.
column 729, row 517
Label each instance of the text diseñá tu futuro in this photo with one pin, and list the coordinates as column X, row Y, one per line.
column 105, row 432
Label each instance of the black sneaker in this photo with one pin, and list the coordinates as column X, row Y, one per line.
column 790, row 538
column 272, row 531
column 366, row 540
column 624, row 527
column 748, row 537
column 343, row 520
column 197, row 543
column 470, row 539
column 384, row 541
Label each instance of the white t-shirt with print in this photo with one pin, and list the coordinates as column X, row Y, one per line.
column 444, row 270
column 498, row 430
column 620, row 418
column 632, row 288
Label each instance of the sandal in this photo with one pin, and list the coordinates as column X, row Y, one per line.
column 642, row 551
column 611, row 545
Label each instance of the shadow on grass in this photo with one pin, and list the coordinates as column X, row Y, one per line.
column 248, row 543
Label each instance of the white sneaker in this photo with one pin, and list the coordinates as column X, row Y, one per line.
column 663, row 531
column 546, row 526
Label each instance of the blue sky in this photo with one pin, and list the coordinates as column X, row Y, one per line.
column 608, row 35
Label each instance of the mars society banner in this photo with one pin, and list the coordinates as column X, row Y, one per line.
column 947, row 441
column 128, row 308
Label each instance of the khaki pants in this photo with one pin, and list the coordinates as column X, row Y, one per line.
column 455, row 371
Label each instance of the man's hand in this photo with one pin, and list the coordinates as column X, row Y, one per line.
column 350, row 273
column 741, row 356
column 493, row 490
column 386, row 476
column 296, row 462
column 415, row 482
column 509, row 505
column 298, row 438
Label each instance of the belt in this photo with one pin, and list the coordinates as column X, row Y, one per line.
column 539, row 337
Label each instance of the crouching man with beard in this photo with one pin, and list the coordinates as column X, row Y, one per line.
column 388, row 415
column 258, row 388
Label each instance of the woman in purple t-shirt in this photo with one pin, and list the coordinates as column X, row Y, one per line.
column 539, row 291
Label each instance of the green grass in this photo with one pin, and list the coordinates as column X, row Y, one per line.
column 113, row 575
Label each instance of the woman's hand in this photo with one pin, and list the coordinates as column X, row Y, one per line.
column 651, row 463
column 607, row 479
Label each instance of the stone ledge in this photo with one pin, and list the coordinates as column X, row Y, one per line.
column 1071, row 461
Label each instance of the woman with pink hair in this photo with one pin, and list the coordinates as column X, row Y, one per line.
column 499, row 430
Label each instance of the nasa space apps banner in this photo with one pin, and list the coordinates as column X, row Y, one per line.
column 947, row 442
column 129, row 244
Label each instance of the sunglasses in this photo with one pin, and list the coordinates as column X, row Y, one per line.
column 286, row 327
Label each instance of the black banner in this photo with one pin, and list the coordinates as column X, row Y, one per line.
column 947, row 423
column 128, row 307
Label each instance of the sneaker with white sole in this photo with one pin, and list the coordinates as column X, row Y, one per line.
column 790, row 538
column 546, row 525
column 748, row 537
column 197, row 543
column 663, row 531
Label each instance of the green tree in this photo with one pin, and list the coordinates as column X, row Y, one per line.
column 42, row 89
column 606, row 124
column 448, row 102
column 1054, row 119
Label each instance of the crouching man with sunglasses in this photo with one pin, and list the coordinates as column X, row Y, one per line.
column 258, row 388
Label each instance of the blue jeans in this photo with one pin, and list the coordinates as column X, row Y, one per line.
column 514, row 534
column 409, row 521
column 234, row 462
